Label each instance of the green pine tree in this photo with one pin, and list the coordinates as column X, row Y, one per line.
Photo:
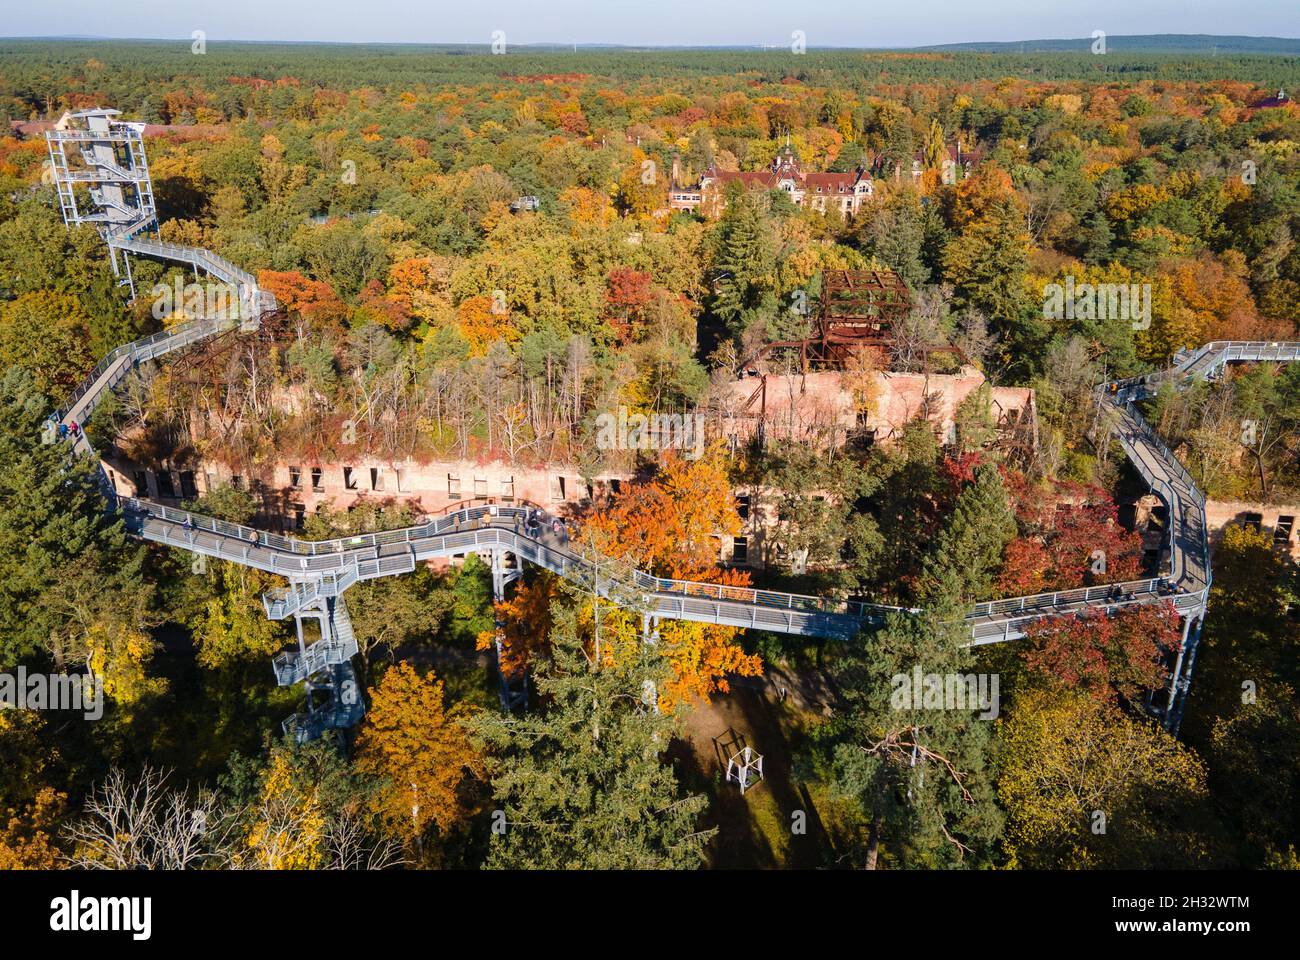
column 582, row 783
column 923, row 773
column 65, row 565
column 895, row 235
column 1096, row 239
column 968, row 552
column 987, row 264
column 744, row 265
column 922, row 777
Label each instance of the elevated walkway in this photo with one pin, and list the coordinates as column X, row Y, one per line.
column 325, row 569
column 318, row 569
column 320, row 572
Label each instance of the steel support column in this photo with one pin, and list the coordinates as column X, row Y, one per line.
column 1175, row 677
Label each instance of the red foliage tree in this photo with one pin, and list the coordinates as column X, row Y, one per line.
column 1070, row 537
column 1122, row 653
column 627, row 294
column 959, row 472
column 384, row 309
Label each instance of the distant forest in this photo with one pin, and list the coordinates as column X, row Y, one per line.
column 1201, row 43
column 39, row 71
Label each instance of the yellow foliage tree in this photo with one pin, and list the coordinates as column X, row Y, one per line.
column 1215, row 292
column 28, row 808
column 119, row 657
column 588, row 207
column 643, row 187
column 25, row 838
column 289, row 824
column 233, row 625
column 1134, row 201
column 1074, row 762
column 420, row 750
column 48, row 333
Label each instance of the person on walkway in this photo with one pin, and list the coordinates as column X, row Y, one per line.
column 63, row 431
column 255, row 539
column 74, row 428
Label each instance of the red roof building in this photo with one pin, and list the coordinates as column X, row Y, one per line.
column 843, row 193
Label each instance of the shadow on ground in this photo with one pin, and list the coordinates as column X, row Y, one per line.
column 761, row 828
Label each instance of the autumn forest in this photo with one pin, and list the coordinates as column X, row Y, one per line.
column 474, row 258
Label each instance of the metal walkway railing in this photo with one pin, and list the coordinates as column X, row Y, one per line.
column 320, row 568
column 311, row 564
column 338, row 646
column 320, row 571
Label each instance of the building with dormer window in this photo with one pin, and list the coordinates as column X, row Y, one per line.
column 842, row 193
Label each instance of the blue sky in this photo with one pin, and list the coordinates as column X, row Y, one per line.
column 863, row 23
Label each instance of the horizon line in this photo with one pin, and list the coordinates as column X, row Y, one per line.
column 94, row 38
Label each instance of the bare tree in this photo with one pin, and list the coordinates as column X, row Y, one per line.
column 973, row 338
column 921, row 332
column 139, row 823
column 349, row 846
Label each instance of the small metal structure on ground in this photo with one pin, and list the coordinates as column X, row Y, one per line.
column 745, row 768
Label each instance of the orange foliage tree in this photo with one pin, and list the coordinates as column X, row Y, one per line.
column 975, row 196
column 419, row 284
column 313, row 299
column 482, row 323
column 628, row 294
column 422, row 753
column 527, row 620
column 1215, row 291
column 669, row 526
